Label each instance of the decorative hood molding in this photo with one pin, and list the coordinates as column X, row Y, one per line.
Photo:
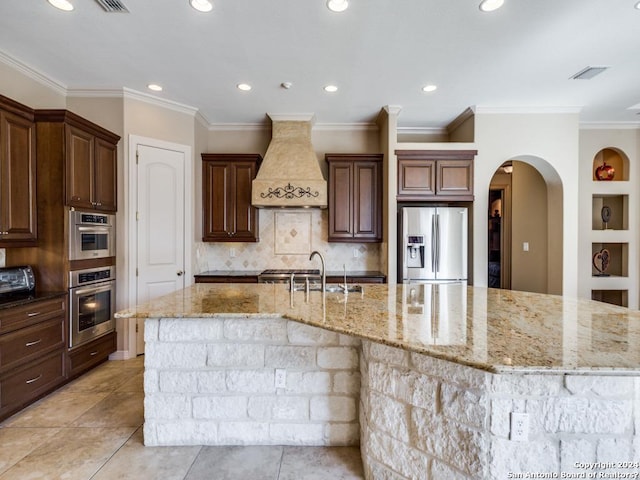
column 290, row 174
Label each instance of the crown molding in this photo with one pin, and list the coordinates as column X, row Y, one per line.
column 422, row 130
column 43, row 79
column 392, row 109
column 609, row 125
column 346, row 127
column 524, row 109
column 239, row 127
column 160, row 102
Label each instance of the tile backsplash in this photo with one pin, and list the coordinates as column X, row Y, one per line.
column 287, row 237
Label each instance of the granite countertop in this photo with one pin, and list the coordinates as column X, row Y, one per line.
column 495, row 330
column 229, row 273
column 15, row 300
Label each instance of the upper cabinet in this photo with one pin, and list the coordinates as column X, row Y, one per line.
column 435, row 175
column 227, row 213
column 355, row 197
column 18, row 218
column 90, row 158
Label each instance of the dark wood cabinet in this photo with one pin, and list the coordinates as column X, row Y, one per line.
column 227, row 213
column 435, row 175
column 90, row 354
column 355, row 197
column 90, row 158
column 33, row 349
column 18, row 213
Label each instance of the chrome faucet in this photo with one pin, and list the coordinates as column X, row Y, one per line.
column 323, row 273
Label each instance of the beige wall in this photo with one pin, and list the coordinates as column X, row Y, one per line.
column 24, row 89
column 529, row 224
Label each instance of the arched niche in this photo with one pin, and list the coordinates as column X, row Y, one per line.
column 614, row 158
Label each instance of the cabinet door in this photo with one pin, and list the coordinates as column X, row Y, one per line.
column 416, row 178
column 105, row 182
column 455, row 177
column 79, row 168
column 18, row 219
column 245, row 217
column 367, row 201
column 216, row 221
column 340, row 201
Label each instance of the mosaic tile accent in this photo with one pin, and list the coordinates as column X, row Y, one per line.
column 262, row 255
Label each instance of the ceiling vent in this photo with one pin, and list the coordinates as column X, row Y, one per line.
column 588, row 73
column 112, row 6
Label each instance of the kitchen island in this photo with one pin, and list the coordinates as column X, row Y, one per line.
column 425, row 377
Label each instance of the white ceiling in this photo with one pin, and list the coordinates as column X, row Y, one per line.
column 379, row 52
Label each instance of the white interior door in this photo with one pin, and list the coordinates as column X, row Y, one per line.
column 160, row 226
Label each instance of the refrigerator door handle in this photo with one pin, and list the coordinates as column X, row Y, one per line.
column 437, row 242
column 433, row 243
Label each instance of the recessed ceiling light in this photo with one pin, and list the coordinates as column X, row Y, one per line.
column 637, row 5
column 337, row 5
column 429, row 88
column 490, row 5
column 202, row 5
column 331, row 88
column 245, row 87
column 62, row 5
column 155, row 87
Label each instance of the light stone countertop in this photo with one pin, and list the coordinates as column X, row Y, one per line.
column 500, row 331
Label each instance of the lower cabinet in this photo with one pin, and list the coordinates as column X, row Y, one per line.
column 90, row 354
column 33, row 352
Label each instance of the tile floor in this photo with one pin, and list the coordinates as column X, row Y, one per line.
column 92, row 429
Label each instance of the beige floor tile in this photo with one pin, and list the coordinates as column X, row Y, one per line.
column 237, row 463
column 58, row 409
column 75, row 453
column 134, row 384
column 320, row 463
column 101, row 379
column 118, row 409
column 17, row 443
column 136, row 461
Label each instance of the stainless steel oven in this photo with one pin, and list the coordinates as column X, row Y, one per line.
column 91, row 235
column 92, row 298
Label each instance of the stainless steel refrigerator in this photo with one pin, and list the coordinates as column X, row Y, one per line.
column 433, row 244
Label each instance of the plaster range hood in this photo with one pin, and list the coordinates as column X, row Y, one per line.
column 290, row 176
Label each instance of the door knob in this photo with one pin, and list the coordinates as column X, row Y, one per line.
column 180, row 273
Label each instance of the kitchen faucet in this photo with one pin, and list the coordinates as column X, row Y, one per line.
column 323, row 273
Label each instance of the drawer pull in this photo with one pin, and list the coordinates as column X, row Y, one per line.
column 34, row 379
column 93, row 354
column 30, row 344
column 32, row 314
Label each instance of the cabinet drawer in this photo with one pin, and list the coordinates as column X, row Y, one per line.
column 30, row 314
column 30, row 381
column 92, row 353
column 28, row 343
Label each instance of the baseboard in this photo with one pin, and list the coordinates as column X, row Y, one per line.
column 121, row 355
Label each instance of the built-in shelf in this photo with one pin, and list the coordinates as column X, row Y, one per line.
column 618, row 259
column 611, row 158
column 615, row 297
column 618, row 208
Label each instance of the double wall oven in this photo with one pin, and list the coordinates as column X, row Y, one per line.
column 92, row 289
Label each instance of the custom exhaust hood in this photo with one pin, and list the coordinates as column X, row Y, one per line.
column 290, row 176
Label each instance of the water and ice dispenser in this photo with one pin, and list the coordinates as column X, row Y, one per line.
column 415, row 251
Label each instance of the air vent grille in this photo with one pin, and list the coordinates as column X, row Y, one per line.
column 112, row 6
column 588, row 73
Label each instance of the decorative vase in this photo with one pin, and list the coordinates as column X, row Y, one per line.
column 605, row 172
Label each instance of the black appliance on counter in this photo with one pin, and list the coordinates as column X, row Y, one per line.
column 284, row 275
column 17, row 281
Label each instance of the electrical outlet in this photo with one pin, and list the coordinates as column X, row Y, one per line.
column 525, row 246
column 519, row 427
column 281, row 378
column 232, row 252
column 356, row 253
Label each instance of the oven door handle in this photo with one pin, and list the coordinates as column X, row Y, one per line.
column 94, row 229
column 95, row 288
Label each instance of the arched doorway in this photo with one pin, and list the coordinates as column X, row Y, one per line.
column 525, row 227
